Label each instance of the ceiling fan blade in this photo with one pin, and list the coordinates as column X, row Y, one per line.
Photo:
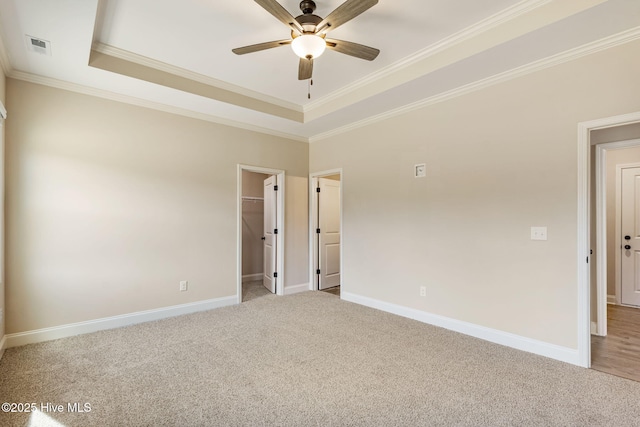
column 305, row 69
column 276, row 9
column 344, row 13
column 260, row 46
column 353, row 49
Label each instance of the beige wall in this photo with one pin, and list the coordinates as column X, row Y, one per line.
column 499, row 161
column 253, row 183
column 110, row 205
column 252, row 223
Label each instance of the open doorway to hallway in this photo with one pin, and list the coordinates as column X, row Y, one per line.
column 615, row 340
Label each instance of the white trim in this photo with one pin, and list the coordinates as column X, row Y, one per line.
column 280, row 221
column 126, row 99
column 3, row 346
column 560, row 58
column 193, row 76
column 583, row 228
column 255, row 276
column 571, row 54
column 564, row 354
column 594, row 328
column 601, row 242
column 611, row 299
column 474, row 30
column 313, row 224
column 302, row 287
column 69, row 330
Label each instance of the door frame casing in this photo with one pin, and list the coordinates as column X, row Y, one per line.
column 313, row 225
column 280, row 218
column 583, row 229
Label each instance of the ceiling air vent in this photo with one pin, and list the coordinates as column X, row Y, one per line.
column 37, row 45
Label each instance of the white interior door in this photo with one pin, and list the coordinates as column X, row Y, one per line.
column 630, row 228
column 270, row 234
column 329, row 236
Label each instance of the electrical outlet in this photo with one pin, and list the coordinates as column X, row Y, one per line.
column 184, row 285
column 538, row 233
column 423, row 291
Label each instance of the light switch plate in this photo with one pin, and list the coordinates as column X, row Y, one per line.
column 420, row 171
column 538, row 233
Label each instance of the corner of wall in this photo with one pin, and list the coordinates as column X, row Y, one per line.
column 3, row 345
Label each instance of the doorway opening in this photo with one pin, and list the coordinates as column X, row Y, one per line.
column 615, row 343
column 325, row 234
column 592, row 232
column 260, row 255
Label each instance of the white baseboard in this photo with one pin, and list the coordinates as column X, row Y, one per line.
column 3, row 346
column 63, row 331
column 289, row 290
column 541, row 348
column 611, row 299
column 248, row 277
column 594, row 328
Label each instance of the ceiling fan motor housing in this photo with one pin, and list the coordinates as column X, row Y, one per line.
column 307, row 6
column 309, row 22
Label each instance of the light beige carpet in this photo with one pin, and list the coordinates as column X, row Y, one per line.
column 308, row 359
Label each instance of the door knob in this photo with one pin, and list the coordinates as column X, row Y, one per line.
column 627, row 237
column 627, row 247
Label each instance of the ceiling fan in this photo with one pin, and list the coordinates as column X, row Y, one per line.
column 308, row 33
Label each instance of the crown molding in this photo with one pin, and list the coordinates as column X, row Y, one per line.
column 566, row 56
column 523, row 18
column 493, row 21
column 177, row 71
column 184, row 82
column 569, row 55
column 126, row 99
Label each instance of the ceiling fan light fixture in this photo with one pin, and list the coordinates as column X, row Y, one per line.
column 308, row 46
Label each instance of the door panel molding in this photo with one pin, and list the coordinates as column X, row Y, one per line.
column 329, row 243
column 313, row 225
column 627, row 201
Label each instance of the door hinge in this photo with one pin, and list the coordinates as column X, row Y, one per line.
column 275, row 188
column 275, row 231
column 318, row 190
column 587, row 260
column 275, row 275
column 318, row 271
column 317, row 231
column 590, row 251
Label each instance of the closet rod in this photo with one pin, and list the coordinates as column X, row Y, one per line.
column 253, row 199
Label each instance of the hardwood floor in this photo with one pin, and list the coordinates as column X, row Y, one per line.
column 619, row 352
column 335, row 290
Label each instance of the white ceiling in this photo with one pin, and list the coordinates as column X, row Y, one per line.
column 430, row 49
